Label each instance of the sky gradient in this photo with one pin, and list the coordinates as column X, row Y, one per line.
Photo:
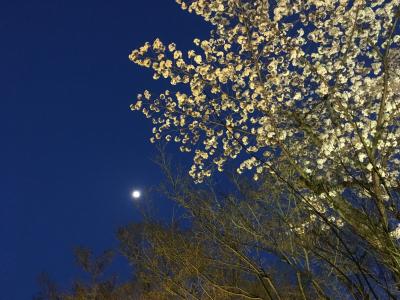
column 71, row 150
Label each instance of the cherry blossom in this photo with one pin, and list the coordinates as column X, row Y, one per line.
column 308, row 85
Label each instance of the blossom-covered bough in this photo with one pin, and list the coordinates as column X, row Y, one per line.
column 309, row 85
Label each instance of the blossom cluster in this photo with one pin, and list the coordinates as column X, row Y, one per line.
column 313, row 83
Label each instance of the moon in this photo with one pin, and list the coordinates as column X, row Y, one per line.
column 136, row 194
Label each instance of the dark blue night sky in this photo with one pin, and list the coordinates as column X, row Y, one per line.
column 71, row 150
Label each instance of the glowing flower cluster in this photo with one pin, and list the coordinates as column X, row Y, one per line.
column 312, row 83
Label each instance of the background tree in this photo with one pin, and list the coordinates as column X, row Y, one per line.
column 240, row 240
column 97, row 287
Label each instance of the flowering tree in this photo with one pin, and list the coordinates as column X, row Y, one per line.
column 308, row 86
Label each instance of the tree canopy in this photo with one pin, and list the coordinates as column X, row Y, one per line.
column 304, row 91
